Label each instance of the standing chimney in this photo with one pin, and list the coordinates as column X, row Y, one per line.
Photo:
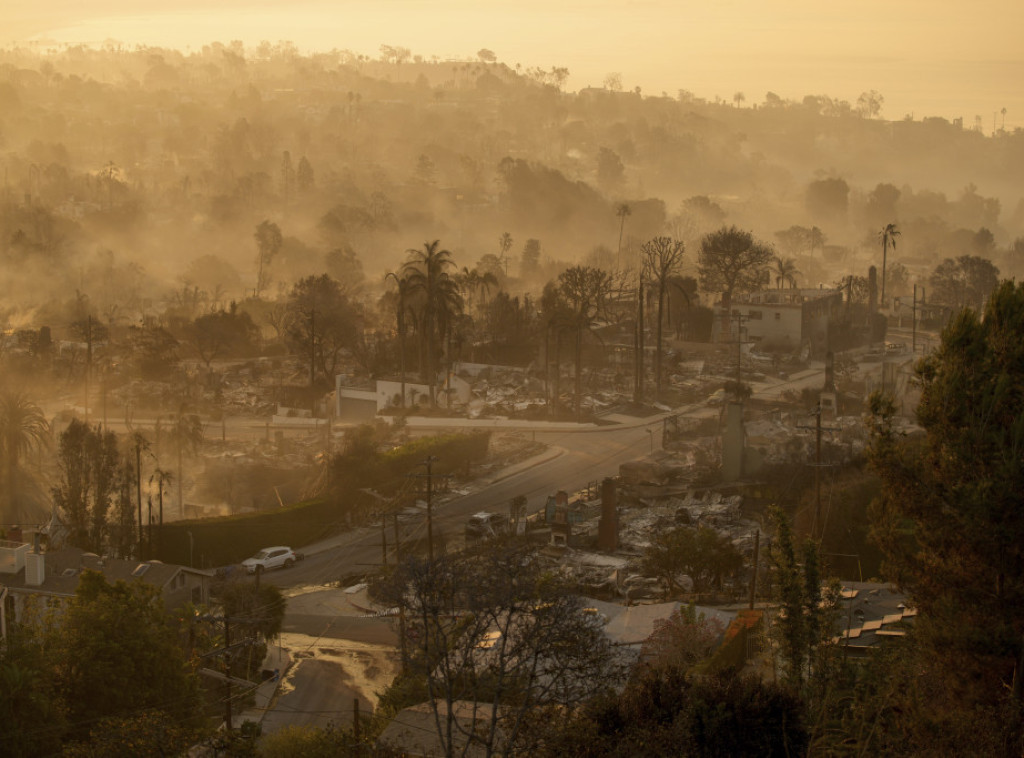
column 35, row 565
column 608, row 527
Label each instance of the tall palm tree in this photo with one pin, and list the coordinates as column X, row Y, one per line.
column 888, row 235
column 23, row 428
column 785, row 272
column 162, row 478
column 427, row 271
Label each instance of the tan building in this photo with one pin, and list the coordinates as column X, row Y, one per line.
column 782, row 319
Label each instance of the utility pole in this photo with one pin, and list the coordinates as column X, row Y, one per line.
column 227, row 673
column 753, row 573
column 138, row 487
column 639, row 342
column 312, row 360
column 818, row 429
column 398, row 542
column 384, row 537
column 430, row 508
column 740, row 318
column 914, row 337
column 430, row 503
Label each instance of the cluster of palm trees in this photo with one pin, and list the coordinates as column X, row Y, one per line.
column 430, row 299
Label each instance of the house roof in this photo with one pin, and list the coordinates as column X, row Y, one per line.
column 871, row 612
column 633, row 624
column 414, row 729
column 63, row 569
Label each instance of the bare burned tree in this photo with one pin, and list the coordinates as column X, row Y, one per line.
column 502, row 645
column 661, row 258
column 586, row 292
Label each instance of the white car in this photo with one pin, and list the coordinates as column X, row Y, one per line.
column 271, row 558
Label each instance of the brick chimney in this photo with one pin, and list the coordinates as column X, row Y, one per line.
column 608, row 527
column 35, row 565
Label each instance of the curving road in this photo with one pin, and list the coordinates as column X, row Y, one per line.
column 574, row 460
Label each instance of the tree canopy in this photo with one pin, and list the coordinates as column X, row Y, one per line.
column 950, row 519
column 731, row 259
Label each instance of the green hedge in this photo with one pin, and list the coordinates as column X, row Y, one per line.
column 231, row 539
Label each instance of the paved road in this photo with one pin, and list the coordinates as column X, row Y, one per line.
column 574, row 460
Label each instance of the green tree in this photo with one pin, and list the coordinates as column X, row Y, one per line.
column 610, row 171
column 260, row 609
column 268, row 243
column 702, row 554
column 31, row 705
column 731, row 259
column 115, row 655
column 345, row 267
column 807, row 612
column 221, row 334
column 950, row 520
column 23, row 428
column 530, row 258
column 663, row 712
column 149, row 734
column 304, row 176
column 88, row 464
column 827, row 199
column 965, row 282
column 321, row 323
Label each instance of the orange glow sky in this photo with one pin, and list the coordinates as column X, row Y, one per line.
column 927, row 58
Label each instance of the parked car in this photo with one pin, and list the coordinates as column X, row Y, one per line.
column 271, row 558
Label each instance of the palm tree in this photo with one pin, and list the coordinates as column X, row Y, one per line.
column 888, row 235
column 427, row 272
column 400, row 309
column 23, row 428
column 785, row 272
column 161, row 477
column 622, row 210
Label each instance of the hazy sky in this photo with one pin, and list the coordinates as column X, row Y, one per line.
column 936, row 57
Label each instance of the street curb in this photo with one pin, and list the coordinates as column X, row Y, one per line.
column 552, row 453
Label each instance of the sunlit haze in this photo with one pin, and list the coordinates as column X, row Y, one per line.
column 949, row 59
